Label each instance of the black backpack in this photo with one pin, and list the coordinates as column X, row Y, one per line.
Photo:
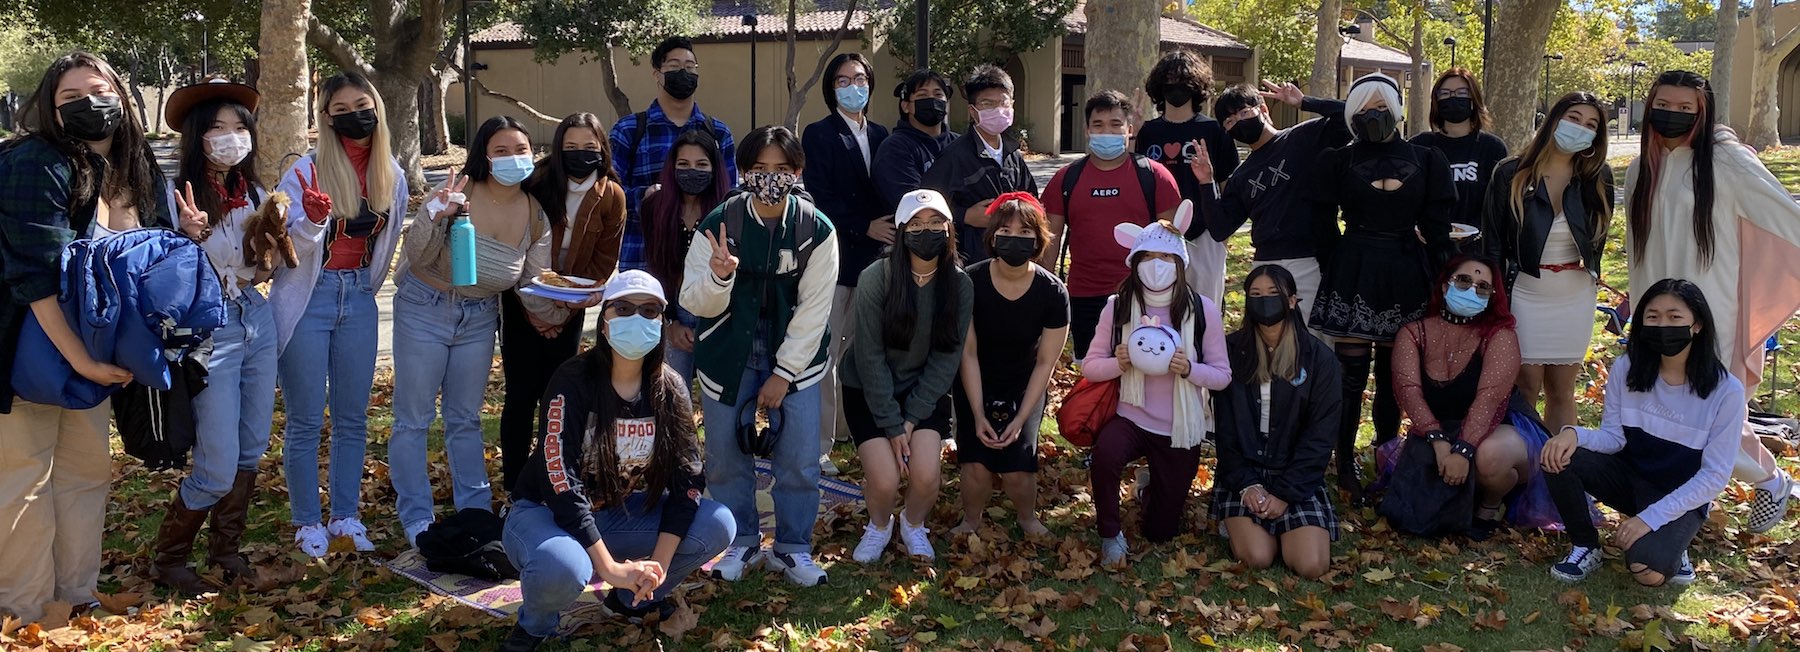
column 1146, row 181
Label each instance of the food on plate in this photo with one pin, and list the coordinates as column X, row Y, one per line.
column 554, row 279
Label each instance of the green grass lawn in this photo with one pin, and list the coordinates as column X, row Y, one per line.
column 998, row 593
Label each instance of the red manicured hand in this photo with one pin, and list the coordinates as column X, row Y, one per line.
column 314, row 200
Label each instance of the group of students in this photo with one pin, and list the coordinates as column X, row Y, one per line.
column 902, row 289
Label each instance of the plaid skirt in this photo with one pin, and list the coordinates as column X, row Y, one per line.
column 1314, row 511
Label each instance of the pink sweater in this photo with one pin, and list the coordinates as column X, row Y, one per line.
column 1212, row 372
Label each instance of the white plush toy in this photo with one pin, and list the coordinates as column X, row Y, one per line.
column 1152, row 345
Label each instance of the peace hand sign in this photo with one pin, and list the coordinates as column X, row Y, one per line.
column 316, row 203
column 447, row 199
column 1288, row 93
column 723, row 263
column 1201, row 163
column 193, row 220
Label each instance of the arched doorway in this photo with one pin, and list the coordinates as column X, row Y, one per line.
column 1787, row 96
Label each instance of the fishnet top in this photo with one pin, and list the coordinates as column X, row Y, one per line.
column 1431, row 353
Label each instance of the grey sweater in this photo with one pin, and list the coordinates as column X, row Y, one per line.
column 921, row 373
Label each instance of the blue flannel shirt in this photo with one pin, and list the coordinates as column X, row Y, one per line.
column 641, row 166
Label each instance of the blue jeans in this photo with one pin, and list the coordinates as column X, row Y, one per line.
column 330, row 355
column 554, row 569
column 233, row 414
column 442, row 342
column 731, row 473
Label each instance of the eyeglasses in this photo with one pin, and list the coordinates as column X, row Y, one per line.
column 1483, row 289
column 927, row 224
column 1444, row 94
column 986, row 105
column 859, row 80
column 674, row 66
column 627, row 309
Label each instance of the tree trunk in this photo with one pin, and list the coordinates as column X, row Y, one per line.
column 282, row 81
column 797, row 92
column 1418, row 106
column 434, row 131
column 1130, row 31
column 1765, row 75
column 137, row 91
column 401, row 94
column 1521, row 30
column 1326, row 47
column 609, row 84
column 1724, row 47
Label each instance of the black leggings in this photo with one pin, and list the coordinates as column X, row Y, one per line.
column 1609, row 479
column 527, row 361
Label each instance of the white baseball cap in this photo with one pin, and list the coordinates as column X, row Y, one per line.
column 633, row 282
column 913, row 202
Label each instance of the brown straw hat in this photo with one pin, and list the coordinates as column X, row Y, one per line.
column 184, row 99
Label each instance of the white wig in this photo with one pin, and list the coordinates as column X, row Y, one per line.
column 1368, row 87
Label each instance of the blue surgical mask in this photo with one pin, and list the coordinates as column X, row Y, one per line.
column 633, row 336
column 1107, row 146
column 853, row 98
column 1464, row 303
column 511, row 170
column 1572, row 138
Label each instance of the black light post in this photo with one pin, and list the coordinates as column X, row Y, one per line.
column 1544, row 94
column 1631, row 93
column 462, row 25
column 1348, row 32
column 922, row 38
column 750, row 21
column 1487, row 38
column 1451, row 41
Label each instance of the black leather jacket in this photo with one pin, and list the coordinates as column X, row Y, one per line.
column 1521, row 247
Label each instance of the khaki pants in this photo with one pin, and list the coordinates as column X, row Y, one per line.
column 55, row 470
column 831, row 419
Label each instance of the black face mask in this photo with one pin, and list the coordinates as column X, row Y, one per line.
column 1455, row 109
column 1664, row 340
column 355, row 125
column 580, row 163
column 931, row 111
column 681, row 84
column 1177, row 96
column 92, row 118
column 1672, row 124
column 1247, row 131
column 1374, row 125
column 927, row 245
column 1016, row 250
column 1266, row 311
column 694, row 181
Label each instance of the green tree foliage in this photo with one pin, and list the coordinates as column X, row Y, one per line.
column 558, row 27
column 1282, row 30
column 24, row 54
column 966, row 33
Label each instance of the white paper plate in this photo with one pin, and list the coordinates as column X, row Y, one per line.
column 597, row 288
column 1463, row 231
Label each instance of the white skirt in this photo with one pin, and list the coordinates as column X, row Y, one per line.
column 1555, row 313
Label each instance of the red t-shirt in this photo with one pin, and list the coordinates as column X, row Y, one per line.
column 348, row 251
column 1101, row 200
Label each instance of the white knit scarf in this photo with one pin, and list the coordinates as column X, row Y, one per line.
column 1193, row 415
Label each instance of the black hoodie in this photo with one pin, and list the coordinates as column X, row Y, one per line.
column 901, row 162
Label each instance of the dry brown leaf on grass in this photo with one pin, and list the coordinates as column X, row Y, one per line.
column 684, row 619
column 1442, row 647
column 1494, row 620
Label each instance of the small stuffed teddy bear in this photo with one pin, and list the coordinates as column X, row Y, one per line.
column 1152, row 345
column 269, row 222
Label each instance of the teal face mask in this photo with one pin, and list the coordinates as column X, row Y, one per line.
column 511, row 170
column 1107, row 146
column 633, row 336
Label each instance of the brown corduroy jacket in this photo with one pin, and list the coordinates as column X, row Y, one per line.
column 599, row 227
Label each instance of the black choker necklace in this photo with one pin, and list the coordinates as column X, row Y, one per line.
column 1456, row 319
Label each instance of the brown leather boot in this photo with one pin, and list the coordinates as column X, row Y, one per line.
column 174, row 542
column 229, row 519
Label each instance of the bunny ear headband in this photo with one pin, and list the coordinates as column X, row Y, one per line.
column 1017, row 195
column 1157, row 238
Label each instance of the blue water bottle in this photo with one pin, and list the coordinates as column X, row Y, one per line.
column 462, row 250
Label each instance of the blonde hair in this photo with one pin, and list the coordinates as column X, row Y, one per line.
column 337, row 177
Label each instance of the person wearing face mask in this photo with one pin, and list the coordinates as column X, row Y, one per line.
column 642, row 142
column 1017, row 329
column 1089, row 197
column 579, row 192
column 1700, row 206
column 613, row 489
column 1277, row 422
column 841, row 147
column 1665, row 444
column 1453, row 374
column 1546, row 220
column 79, row 162
column 1375, row 275
column 760, row 278
column 1180, row 85
column 217, row 174
column 670, row 219
column 1162, row 417
column 912, row 317
column 1459, row 122
column 918, row 139
column 350, row 190
column 1267, row 190
column 444, row 333
column 985, row 163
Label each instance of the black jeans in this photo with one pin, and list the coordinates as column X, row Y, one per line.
column 527, row 360
column 1084, row 318
column 1609, row 479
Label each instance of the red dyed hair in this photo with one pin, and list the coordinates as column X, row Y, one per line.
column 1498, row 315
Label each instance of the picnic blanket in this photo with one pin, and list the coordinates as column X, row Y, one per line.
column 502, row 599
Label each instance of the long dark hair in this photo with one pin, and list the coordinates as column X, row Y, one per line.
column 665, row 250
column 550, row 181
column 1283, row 361
column 901, row 313
column 1181, row 306
column 1651, row 154
column 194, row 166
column 1704, row 370
column 476, row 166
column 131, row 171
column 675, row 445
column 1497, row 317
column 1478, row 120
column 1590, row 166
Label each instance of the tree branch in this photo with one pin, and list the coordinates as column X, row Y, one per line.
column 321, row 36
column 837, row 39
column 522, row 106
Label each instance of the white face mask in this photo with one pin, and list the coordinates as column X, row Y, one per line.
column 228, row 149
column 1157, row 275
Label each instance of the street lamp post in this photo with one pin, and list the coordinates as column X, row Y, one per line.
column 1487, row 38
column 1348, row 32
column 1631, row 93
column 922, row 37
column 750, row 21
column 1451, row 41
column 1544, row 94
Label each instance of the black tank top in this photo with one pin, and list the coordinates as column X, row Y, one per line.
column 1450, row 400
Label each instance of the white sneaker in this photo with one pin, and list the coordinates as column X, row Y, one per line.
column 1113, row 551
column 917, row 538
column 1768, row 507
column 1684, row 573
column 353, row 528
column 826, row 467
column 413, row 530
column 737, row 558
column 874, row 541
column 1580, row 563
column 312, row 540
column 797, row 567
